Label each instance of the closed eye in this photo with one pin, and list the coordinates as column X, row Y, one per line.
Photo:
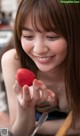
column 28, row 37
column 53, row 37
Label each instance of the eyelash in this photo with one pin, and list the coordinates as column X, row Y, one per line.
column 48, row 37
column 28, row 37
column 53, row 37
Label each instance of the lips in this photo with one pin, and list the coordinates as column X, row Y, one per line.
column 44, row 59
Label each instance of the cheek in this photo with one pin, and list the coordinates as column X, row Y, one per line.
column 63, row 48
column 26, row 48
column 60, row 47
column 25, row 45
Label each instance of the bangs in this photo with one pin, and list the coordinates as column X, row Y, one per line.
column 41, row 17
column 42, row 21
column 45, row 15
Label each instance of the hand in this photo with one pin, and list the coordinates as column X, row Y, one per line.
column 28, row 98
column 24, row 123
column 47, row 98
column 35, row 95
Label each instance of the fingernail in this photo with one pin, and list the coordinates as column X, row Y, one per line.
column 36, row 82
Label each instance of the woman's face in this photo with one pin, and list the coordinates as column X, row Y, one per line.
column 47, row 49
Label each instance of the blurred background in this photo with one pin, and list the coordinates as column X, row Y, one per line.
column 8, row 10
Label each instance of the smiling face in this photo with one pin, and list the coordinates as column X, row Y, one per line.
column 46, row 48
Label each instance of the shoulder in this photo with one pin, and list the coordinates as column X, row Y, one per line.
column 9, row 65
column 9, row 58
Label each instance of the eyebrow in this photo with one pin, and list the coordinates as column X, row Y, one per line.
column 27, row 29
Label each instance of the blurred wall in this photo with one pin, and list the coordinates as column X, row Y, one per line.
column 9, row 5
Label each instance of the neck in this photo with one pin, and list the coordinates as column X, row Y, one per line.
column 56, row 75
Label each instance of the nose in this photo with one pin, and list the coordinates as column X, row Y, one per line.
column 40, row 47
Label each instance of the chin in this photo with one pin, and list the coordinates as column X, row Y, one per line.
column 44, row 70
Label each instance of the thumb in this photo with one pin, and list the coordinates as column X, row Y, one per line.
column 17, row 88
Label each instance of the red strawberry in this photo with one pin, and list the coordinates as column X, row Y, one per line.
column 25, row 76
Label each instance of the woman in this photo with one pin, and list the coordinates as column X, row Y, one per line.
column 47, row 40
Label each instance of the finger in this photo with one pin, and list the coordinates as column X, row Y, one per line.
column 16, row 87
column 52, row 99
column 25, row 101
column 26, row 93
column 43, row 91
column 51, row 93
column 36, row 91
